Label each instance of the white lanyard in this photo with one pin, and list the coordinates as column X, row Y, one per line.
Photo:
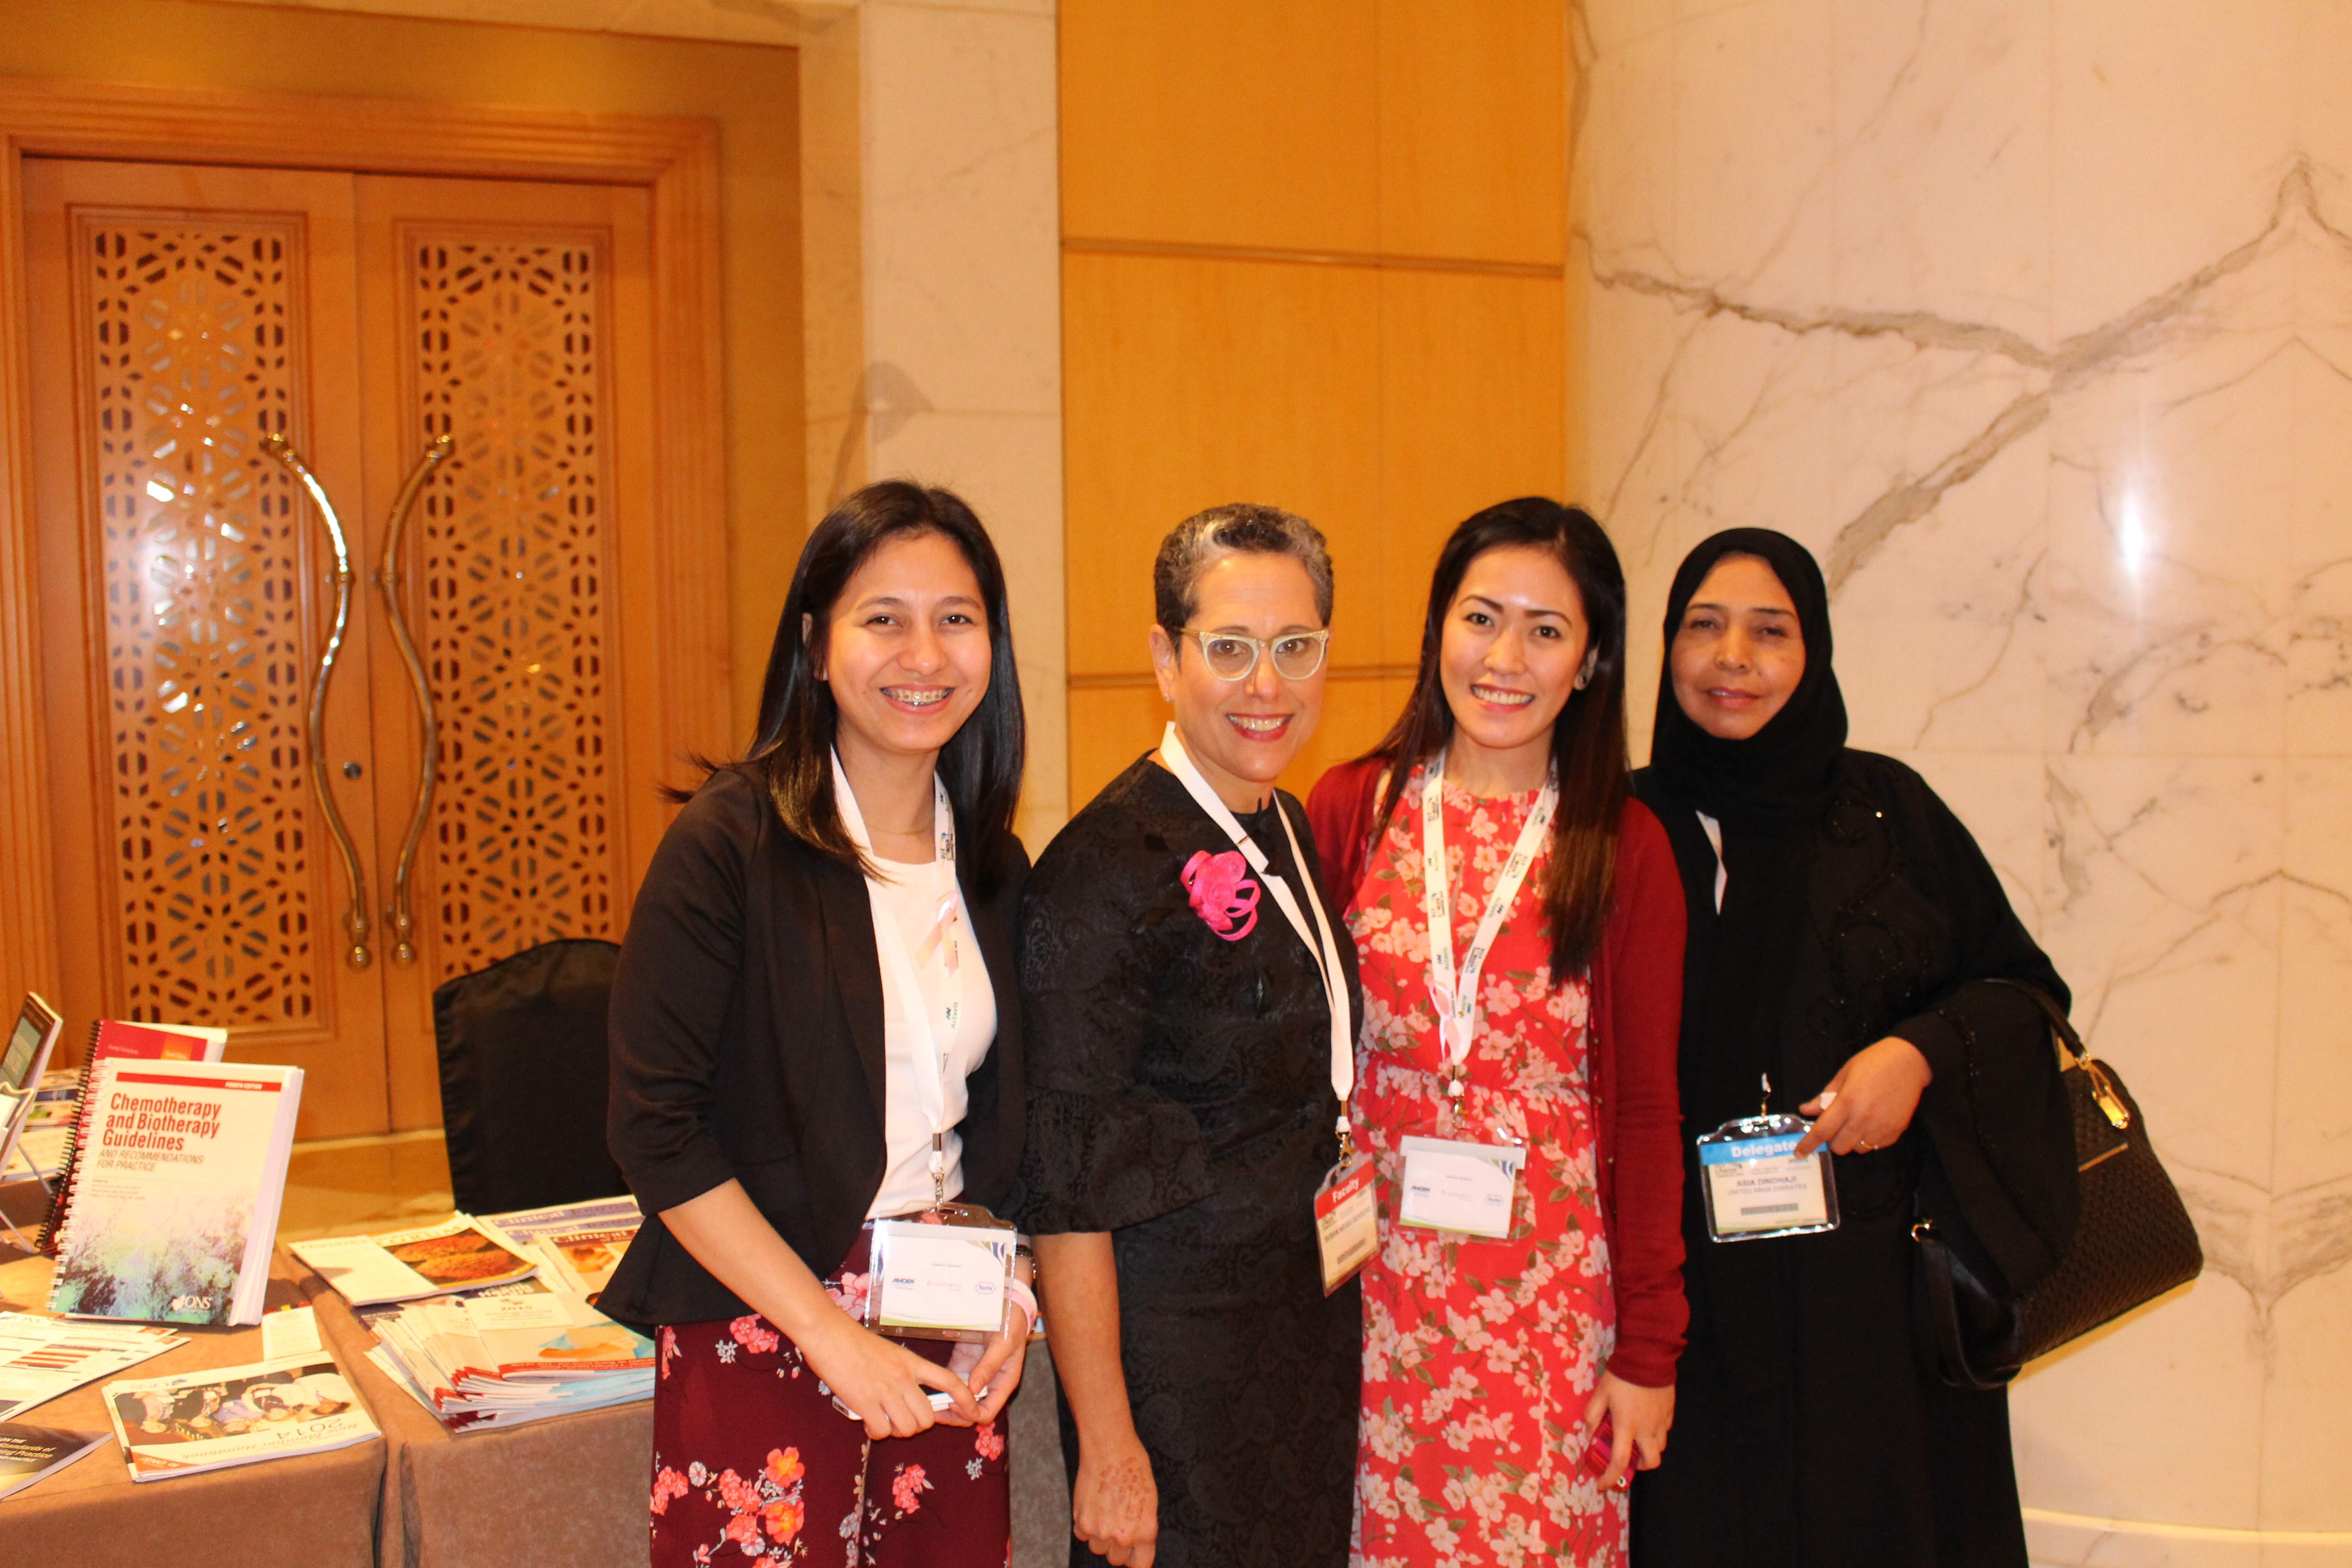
column 937, row 1033
column 1713, row 831
column 1456, row 994
column 1326, row 953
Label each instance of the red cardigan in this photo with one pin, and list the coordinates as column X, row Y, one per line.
column 1637, row 999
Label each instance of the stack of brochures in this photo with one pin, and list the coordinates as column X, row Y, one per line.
column 491, row 1321
column 508, row 1355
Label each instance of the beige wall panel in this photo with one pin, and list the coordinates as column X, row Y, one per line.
column 1112, row 726
column 1220, row 123
column 1109, row 727
column 1355, row 713
column 1190, row 383
column 1474, row 158
column 1472, row 414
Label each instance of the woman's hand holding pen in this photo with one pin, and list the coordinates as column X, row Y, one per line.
column 1867, row 1106
column 886, row 1383
column 992, row 1370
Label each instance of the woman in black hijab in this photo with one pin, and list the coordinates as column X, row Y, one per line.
column 1845, row 932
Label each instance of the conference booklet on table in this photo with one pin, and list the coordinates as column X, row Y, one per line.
column 235, row 1415
column 28, row 1453
column 168, row 1209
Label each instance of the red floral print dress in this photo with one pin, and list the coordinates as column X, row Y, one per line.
column 1479, row 1355
column 753, row 1464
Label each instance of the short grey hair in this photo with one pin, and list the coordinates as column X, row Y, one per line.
column 1237, row 528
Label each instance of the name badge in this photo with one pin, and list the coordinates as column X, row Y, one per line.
column 1756, row 1186
column 1347, row 1221
column 940, row 1281
column 1467, row 1188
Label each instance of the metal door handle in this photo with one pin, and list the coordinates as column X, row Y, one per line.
column 387, row 578
column 356, row 918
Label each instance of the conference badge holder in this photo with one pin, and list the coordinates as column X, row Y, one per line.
column 1468, row 1190
column 1347, row 1220
column 940, row 1275
column 1757, row 1186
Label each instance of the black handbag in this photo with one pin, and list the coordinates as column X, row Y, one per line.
column 2133, row 1242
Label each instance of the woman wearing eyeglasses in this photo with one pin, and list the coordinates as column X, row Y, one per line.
column 1189, row 1001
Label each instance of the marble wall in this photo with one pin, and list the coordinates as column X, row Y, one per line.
column 2033, row 318
column 962, row 379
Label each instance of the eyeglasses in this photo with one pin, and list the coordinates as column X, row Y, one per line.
column 1231, row 656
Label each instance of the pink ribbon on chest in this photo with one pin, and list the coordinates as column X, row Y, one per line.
column 1221, row 893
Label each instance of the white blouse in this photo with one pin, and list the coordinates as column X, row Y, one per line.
column 908, row 896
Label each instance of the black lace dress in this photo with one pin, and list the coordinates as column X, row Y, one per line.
column 1180, row 1098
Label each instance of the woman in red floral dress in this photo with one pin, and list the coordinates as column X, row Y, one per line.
column 1514, row 1369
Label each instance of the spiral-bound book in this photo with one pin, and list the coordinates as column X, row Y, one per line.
column 169, row 1209
column 110, row 1038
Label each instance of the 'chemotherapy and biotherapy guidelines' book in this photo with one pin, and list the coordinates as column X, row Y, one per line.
column 170, row 1208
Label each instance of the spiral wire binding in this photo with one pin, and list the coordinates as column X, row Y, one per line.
column 53, row 1228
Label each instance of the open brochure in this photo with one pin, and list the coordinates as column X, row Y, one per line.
column 463, row 1253
column 235, row 1415
column 43, row 1357
column 585, row 1260
column 29, row 1453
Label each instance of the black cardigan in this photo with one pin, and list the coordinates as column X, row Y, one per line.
column 747, row 1043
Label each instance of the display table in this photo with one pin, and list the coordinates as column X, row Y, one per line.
column 567, row 1490
column 318, row 1508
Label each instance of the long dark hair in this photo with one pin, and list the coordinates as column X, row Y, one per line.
column 793, row 753
column 1587, row 740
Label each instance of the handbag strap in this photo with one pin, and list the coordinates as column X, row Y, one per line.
column 1937, row 1300
column 2106, row 1089
column 2060, row 1025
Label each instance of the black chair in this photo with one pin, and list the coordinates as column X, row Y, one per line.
column 522, row 1078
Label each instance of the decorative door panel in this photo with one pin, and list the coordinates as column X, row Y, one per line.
column 186, row 315
column 519, row 313
column 183, row 317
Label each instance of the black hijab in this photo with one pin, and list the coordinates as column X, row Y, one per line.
column 1780, row 776
column 1771, row 793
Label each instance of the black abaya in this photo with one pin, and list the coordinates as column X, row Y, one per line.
column 1809, row 1433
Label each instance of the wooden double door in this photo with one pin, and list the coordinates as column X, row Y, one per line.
column 182, row 316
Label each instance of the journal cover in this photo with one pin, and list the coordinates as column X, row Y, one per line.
column 235, row 1415
column 170, row 1210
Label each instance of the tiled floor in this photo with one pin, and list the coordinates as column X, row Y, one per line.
column 350, row 1186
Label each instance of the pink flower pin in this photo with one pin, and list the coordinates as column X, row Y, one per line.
column 1221, row 893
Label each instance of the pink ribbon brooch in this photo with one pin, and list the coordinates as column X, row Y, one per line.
column 1222, row 895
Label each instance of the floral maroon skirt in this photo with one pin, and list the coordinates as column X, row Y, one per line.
column 750, row 1459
